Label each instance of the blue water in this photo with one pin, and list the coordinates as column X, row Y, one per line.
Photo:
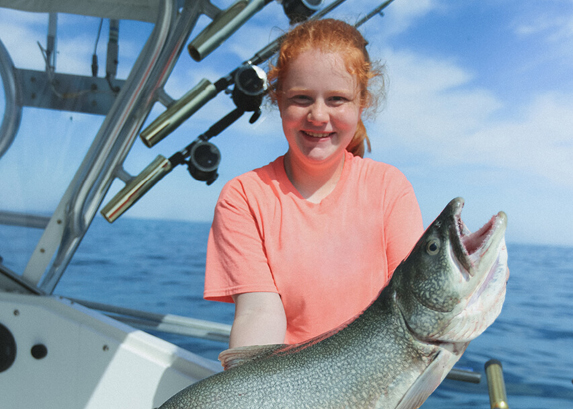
column 158, row 266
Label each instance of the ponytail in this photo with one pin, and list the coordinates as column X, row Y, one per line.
column 359, row 141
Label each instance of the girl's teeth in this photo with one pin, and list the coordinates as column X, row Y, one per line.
column 317, row 135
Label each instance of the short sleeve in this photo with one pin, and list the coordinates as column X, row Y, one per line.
column 236, row 259
column 403, row 225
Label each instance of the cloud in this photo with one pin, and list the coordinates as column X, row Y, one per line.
column 550, row 25
column 538, row 141
column 553, row 21
column 405, row 13
column 432, row 100
column 399, row 16
column 14, row 26
column 436, row 111
column 76, row 35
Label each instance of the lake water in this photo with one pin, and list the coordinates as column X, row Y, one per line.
column 158, row 266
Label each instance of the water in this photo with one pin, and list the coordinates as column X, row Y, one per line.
column 158, row 266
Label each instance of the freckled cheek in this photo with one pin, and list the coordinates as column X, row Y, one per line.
column 347, row 119
column 293, row 116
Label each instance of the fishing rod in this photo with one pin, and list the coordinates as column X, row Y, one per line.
column 201, row 156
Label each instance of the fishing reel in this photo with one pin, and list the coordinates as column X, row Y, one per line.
column 300, row 10
column 250, row 87
column 202, row 162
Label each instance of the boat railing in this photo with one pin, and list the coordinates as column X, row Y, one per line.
column 13, row 105
column 128, row 110
column 79, row 204
column 167, row 323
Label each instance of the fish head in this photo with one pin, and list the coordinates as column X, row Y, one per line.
column 452, row 285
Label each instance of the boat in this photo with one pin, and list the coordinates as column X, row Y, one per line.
column 60, row 352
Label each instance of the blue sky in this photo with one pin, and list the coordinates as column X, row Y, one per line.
column 479, row 105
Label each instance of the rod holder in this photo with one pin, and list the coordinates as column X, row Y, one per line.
column 223, row 26
column 463, row 375
column 496, row 385
column 136, row 188
column 177, row 113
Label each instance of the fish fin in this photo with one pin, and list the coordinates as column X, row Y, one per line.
column 233, row 357
column 432, row 376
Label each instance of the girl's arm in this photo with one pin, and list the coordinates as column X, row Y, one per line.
column 259, row 319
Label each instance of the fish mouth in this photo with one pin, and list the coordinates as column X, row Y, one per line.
column 471, row 250
column 481, row 259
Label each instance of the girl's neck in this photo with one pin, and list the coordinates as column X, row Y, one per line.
column 314, row 183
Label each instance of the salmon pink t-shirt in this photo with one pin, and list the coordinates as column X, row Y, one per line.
column 327, row 260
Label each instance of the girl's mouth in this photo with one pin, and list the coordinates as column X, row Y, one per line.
column 317, row 135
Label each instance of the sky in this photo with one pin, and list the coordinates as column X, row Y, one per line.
column 479, row 104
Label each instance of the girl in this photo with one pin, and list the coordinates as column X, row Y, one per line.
column 306, row 243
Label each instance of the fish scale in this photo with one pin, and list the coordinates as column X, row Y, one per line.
column 394, row 354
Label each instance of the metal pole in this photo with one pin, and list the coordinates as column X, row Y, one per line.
column 51, row 47
column 496, row 385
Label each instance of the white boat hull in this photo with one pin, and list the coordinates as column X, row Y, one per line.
column 91, row 361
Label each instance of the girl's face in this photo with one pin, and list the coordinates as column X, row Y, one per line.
column 319, row 107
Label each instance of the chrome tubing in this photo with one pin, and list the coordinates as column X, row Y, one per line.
column 223, row 26
column 13, row 101
column 464, row 375
column 104, row 160
column 496, row 385
column 169, row 323
column 178, row 112
column 23, row 220
column 136, row 188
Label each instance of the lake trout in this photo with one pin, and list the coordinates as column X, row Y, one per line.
column 444, row 294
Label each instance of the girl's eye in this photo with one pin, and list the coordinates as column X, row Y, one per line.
column 338, row 100
column 300, row 99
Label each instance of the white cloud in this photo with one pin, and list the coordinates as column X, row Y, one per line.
column 550, row 25
column 15, row 26
column 431, row 100
column 433, row 109
column 556, row 23
column 399, row 16
column 539, row 141
column 76, row 35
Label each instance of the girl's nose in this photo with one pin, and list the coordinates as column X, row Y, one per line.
column 318, row 113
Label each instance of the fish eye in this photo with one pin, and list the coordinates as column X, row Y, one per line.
column 433, row 247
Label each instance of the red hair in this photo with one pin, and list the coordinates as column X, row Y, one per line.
column 330, row 36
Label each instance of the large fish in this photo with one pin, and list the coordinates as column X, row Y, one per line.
column 393, row 355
